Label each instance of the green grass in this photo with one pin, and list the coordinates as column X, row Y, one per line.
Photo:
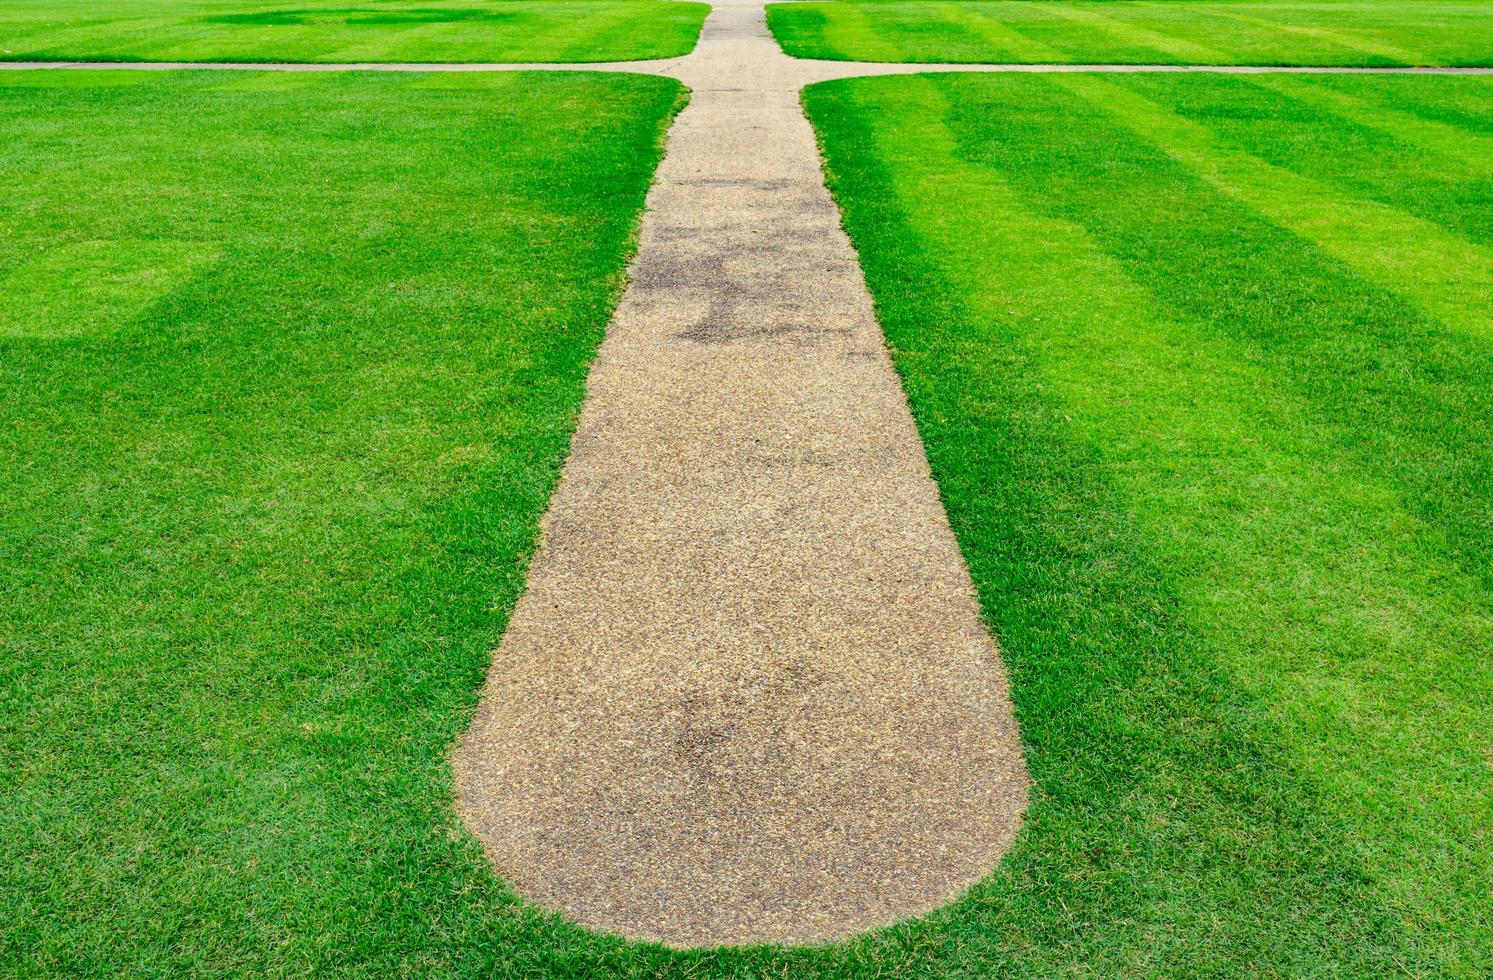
column 1243, row 32
column 1204, row 366
column 290, row 364
column 348, row 30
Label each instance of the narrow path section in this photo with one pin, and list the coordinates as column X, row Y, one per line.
column 748, row 696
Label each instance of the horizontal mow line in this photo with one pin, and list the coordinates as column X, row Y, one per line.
column 824, row 70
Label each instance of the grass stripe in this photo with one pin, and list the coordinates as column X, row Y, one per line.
column 856, row 27
column 1362, row 351
column 1167, row 45
column 1467, row 107
column 1381, row 52
column 1009, row 39
column 1263, row 115
column 1283, row 121
column 1440, row 272
column 1469, row 153
column 1003, row 43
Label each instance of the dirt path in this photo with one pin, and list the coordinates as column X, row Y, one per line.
column 747, row 696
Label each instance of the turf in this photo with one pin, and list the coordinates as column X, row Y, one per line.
column 348, row 30
column 290, row 364
column 1224, row 32
column 1202, row 365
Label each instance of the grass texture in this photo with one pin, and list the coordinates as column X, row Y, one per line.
column 348, row 30
column 290, row 364
column 1221, row 32
column 1203, row 368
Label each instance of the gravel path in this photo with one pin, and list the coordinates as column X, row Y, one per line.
column 747, row 696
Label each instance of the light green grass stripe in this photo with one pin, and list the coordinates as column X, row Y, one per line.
column 609, row 29
column 849, row 29
column 1346, row 41
column 93, row 287
column 1007, row 38
column 1176, row 47
column 1469, row 151
column 1166, row 397
column 1438, row 271
column 373, row 47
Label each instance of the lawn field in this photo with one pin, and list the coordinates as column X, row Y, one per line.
column 1203, row 368
column 290, row 364
column 1203, row 365
column 1221, row 32
column 347, row 30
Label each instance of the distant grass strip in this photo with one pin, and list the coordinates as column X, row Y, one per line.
column 290, row 364
column 348, row 30
column 1226, row 32
column 1225, row 483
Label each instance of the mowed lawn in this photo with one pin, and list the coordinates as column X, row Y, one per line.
column 1232, row 32
column 348, row 30
column 1204, row 366
column 289, row 367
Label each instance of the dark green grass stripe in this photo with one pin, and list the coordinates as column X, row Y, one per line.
column 1464, row 107
column 1172, row 828
column 800, row 30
